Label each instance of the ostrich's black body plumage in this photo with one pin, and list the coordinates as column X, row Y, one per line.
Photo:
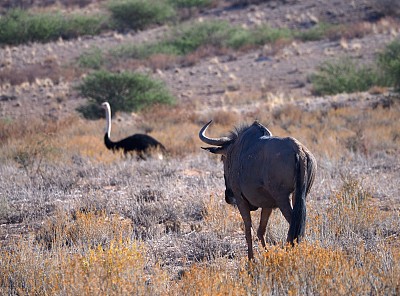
column 139, row 143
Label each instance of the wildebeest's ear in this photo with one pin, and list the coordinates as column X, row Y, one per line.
column 215, row 150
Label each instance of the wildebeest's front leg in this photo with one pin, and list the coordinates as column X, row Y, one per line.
column 265, row 214
column 244, row 209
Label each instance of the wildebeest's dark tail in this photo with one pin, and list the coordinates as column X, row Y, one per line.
column 298, row 220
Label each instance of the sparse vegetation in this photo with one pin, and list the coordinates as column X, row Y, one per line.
column 218, row 36
column 92, row 59
column 190, row 3
column 124, row 234
column 20, row 26
column 184, row 40
column 348, row 241
column 316, row 32
column 76, row 219
column 138, row 14
column 345, row 76
column 387, row 7
column 389, row 62
column 125, row 91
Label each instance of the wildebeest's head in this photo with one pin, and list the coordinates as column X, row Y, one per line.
column 224, row 147
column 224, row 144
column 221, row 143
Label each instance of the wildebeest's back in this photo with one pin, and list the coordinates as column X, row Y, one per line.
column 267, row 169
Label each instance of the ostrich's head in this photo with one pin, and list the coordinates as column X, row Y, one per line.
column 105, row 105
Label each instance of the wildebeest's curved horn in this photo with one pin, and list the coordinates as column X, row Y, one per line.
column 211, row 141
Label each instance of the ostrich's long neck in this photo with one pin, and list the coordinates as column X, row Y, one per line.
column 108, row 119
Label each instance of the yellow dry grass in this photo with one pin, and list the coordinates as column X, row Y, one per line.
column 122, row 266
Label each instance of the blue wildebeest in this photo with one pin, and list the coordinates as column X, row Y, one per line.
column 262, row 171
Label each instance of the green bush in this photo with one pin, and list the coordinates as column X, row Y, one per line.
column 185, row 39
column 18, row 26
column 222, row 34
column 92, row 59
column 346, row 76
column 79, row 25
column 125, row 91
column 317, row 32
column 389, row 63
column 189, row 37
column 343, row 77
column 139, row 14
column 259, row 36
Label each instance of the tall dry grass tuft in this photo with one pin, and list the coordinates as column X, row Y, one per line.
column 221, row 217
column 83, row 229
column 118, row 269
column 26, row 129
column 303, row 270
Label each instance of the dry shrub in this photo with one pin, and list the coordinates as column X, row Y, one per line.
column 91, row 146
column 117, row 269
column 30, row 73
column 160, row 61
column 387, row 7
column 179, row 140
column 30, row 141
column 357, row 30
column 125, row 64
column 172, row 127
column 160, row 115
column 277, row 46
column 222, row 218
column 224, row 118
column 83, row 229
column 352, row 202
column 349, row 218
column 288, row 116
column 336, row 130
column 308, row 269
column 30, row 132
column 349, row 246
column 202, row 52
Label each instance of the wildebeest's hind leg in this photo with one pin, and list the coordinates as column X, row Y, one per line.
column 284, row 205
column 244, row 209
column 265, row 214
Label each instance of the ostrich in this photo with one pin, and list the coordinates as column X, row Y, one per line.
column 139, row 143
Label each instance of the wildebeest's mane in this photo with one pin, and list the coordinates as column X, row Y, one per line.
column 240, row 129
column 233, row 135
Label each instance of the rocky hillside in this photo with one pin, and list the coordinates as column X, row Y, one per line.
column 38, row 79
